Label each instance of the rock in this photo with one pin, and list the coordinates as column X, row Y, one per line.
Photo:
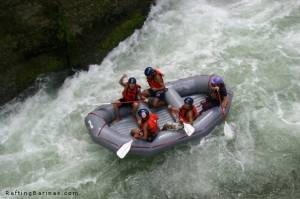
column 46, row 36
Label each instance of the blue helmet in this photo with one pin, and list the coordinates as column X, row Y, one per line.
column 149, row 71
column 216, row 80
column 143, row 113
column 189, row 100
column 131, row 80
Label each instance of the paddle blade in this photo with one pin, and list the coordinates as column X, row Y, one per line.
column 123, row 150
column 228, row 132
column 104, row 103
column 189, row 129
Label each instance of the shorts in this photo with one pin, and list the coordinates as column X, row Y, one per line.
column 208, row 104
column 150, row 137
column 124, row 104
column 160, row 94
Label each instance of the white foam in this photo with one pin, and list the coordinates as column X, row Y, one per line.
column 237, row 40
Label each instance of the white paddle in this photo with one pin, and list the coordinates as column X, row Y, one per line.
column 124, row 149
column 188, row 128
column 107, row 103
column 228, row 132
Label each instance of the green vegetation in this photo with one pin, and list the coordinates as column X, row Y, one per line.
column 45, row 36
column 121, row 32
column 38, row 65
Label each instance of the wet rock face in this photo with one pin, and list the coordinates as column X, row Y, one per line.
column 40, row 36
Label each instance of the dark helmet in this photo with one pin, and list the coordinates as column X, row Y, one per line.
column 189, row 100
column 131, row 80
column 216, row 80
column 149, row 71
column 143, row 113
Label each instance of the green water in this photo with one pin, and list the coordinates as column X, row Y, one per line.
column 255, row 45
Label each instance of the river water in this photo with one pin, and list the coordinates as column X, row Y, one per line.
column 254, row 44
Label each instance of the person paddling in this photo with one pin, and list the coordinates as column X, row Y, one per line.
column 131, row 94
column 156, row 92
column 217, row 94
column 148, row 126
column 187, row 113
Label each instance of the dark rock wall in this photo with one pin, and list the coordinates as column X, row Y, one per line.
column 38, row 36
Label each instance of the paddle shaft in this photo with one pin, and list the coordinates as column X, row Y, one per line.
column 223, row 112
column 128, row 102
column 227, row 129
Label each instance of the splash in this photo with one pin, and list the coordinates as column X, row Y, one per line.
column 253, row 44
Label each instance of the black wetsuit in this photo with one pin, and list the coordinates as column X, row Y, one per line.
column 213, row 99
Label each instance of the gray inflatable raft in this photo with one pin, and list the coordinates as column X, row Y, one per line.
column 113, row 136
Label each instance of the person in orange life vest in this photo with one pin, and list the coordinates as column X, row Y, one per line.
column 156, row 93
column 187, row 113
column 217, row 92
column 148, row 126
column 131, row 93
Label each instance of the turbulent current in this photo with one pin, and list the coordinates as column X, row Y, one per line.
column 253, row 44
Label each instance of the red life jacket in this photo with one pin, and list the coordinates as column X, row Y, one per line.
column 130, row 94
column 152, row 123
column 183, row 113
column 151, row 80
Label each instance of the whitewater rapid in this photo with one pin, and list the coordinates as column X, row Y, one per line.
column 254, row 44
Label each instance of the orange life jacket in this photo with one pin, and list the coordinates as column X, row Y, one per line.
column 151, row 80
column 183, row 113
column 152, row 123
column 131, row 94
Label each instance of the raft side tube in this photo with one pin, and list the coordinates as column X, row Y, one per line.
column 113, row 136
